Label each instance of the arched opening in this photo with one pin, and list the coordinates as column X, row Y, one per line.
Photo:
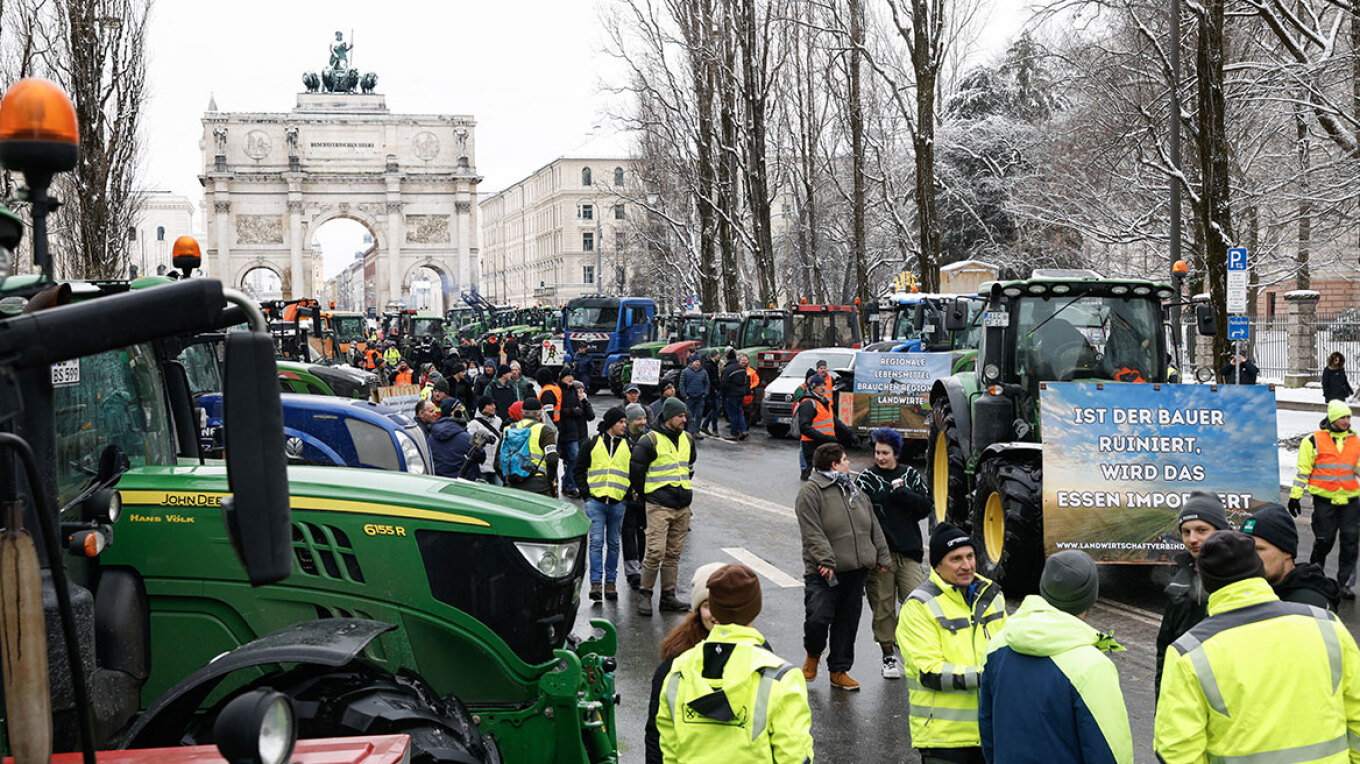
column 339, row 249
column 262, row 283
column 429, row 290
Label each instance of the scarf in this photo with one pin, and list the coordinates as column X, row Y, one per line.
column 845, row 481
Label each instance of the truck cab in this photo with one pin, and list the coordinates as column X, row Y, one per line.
column 600, row 330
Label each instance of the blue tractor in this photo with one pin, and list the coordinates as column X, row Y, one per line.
column 600, row 330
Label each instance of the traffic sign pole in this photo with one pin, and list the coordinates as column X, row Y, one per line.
column 1237, row 303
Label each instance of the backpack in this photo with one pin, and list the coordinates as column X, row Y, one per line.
column 517, row 460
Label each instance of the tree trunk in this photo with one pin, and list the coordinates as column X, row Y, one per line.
column 757, row 182
column 926, row 31
column 857, row 201
column 1216, row 209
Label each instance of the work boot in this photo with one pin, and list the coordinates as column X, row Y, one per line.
column 743, row 436
column 842, row 681
column 804, row 474
column 810, row 667
column 595, row 592
column 645, row 604
column 610, row 592
column 634, row 581
column 669, row 604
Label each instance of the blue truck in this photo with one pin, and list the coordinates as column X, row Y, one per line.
column 599, row 330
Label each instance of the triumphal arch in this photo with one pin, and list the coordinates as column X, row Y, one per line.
column 271, row 179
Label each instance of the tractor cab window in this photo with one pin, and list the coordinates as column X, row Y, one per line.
column 932, row 333
column 593, row 318
column 694, row 331
column 118, row 400
column 200, row 364
column 349, row 328
column 762, row 331
column 824, row 330
column 1062, row 338
column 428, row 327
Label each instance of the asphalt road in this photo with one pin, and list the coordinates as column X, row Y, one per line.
column 743, row 512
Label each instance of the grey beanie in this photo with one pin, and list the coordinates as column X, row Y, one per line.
column 635, row 410
column 1206, row 507
column 1070, row 581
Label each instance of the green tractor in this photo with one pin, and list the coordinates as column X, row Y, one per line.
column 984, row 459
column 678, row 336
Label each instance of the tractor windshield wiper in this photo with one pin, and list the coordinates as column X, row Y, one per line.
column 1031, row 332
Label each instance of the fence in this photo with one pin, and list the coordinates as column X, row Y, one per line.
column 1270, row 343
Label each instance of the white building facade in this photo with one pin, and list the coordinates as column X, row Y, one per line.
column 163, row 217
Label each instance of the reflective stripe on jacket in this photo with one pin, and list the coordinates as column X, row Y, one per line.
column 608, row 475
column 1327, row 470
column 1049, row 692
column 823, row 421
column 556, row 402
column 392, row 355
column 671, row 465
column 944, row 644
column 1260, row 681
column 728, row 700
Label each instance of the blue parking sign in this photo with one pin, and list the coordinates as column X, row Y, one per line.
column 1239, row 328
column 1237, row 259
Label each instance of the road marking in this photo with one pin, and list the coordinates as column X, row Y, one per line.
column 754, row 562
column 722, row 493
column 1136, row 613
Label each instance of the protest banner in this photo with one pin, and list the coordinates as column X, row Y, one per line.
column 1121, row 459
column 398, row 396
column 646, row 371
column 892, row 390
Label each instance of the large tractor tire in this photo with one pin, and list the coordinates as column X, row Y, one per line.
column 530, row 359
column 945, row 464
column 356, row 700
column 616, row 378
column 1008, row 523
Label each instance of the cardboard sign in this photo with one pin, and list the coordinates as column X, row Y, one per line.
column 399, row 396
column 553, row 352
column 647, row 371
column 1120, row 460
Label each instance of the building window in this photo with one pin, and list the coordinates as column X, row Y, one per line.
column 132, row 233
column 160, row 233
column 618, row 212
column 586, row 212
column 618, row 243
column 585, row 176
column 588, row 242
column 618, row 176
column 588, row 274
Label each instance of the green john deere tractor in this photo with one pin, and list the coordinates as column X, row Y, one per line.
column 984, row 459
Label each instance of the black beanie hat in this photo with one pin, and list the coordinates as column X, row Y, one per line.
column 1272, row 523
column 611, row 417
column 543, row 376
column 1206, row 507
column 946, row 538
column 1228, row 557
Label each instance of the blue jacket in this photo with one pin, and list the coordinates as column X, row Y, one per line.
column 449, row 446
column 1049, row 693
column 692, row 384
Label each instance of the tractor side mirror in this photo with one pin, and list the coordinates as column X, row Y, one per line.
column 956, row 316
column 918, row 316
column 1205, row 321
column 257, row 513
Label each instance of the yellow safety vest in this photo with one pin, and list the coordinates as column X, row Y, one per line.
column 671, row 466
column 728, row 700
column 944, row 644
column 608, row 475
column 1260, row 680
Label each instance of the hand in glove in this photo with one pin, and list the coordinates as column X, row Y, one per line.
column 1295, row 508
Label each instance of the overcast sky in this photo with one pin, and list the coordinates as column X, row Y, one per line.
column 529, row 72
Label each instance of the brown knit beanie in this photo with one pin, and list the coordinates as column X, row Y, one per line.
column 734, row 594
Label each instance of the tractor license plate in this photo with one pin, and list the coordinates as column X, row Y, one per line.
column 66, row 373
column 996, row 318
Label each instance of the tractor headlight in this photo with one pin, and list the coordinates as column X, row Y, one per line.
column 258, row 727
column 415, row 461
column 991, row 371
column 552, row 560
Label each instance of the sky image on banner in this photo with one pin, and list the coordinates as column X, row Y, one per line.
column 1119, row 462
column 893, row 390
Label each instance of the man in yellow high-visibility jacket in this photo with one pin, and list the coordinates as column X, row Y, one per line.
column 1328, row 461
column 1259, row 680
column 943, row 631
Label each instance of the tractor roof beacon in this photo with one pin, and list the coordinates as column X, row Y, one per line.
column 984, row 458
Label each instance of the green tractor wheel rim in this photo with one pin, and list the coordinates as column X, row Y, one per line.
column 940, row 478
column 994, row 527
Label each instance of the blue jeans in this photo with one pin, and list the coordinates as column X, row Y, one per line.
column 606, row 524
column 695, row 408
column 711, row 410
column 568, row 450
column 736, row 418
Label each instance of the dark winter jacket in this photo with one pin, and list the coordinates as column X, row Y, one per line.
column 644, row 453
column 803, row 416
column 462, row 390
column 1307, row 584
column 693, row 384
column 735, row 383
column 714, row 376
column 505, row 394
column 571, row 425
column 1186, row 605
column 1335, row 386
column 449, row 446
column 1249, row 372
column 899, row 510
column 838, row 529
column 1050, row 694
